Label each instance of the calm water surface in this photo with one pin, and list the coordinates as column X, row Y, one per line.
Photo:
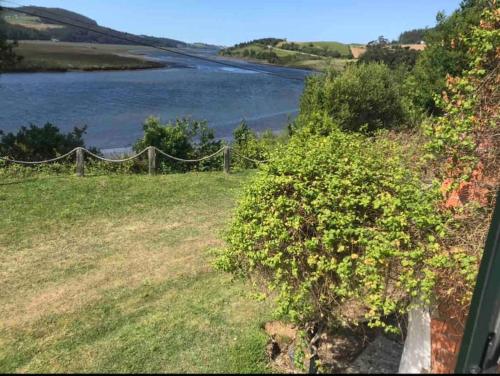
column 115, row 104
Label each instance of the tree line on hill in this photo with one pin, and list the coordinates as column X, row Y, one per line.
column 262, row 41
column 414, row 36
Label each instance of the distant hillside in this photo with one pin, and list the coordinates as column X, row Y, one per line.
column 319, row 49
column 308, row 55
column 23, row 27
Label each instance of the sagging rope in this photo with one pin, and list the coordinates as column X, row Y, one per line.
column 250, row 159
column 189, row 160
column 115, row 160
column 40, row 162
column 129, row 158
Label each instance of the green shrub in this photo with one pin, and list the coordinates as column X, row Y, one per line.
column 363, row 97
column 186, row 139
column 338, row 228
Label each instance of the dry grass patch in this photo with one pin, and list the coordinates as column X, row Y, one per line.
column 113, row 274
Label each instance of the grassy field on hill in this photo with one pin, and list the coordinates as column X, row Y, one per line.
column 112, row 274
column 332, row 46
column 293, row 54
column 64, row 56
column 323, row 64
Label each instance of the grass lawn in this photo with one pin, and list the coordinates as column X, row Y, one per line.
column 112, row 274
column 62, row 56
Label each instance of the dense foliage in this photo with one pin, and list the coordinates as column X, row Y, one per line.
column 35, row 143
column 464, row 150
column 454, row 136
column 366, row 96
column 184, row 138
column 445, row 54
column 333, row 223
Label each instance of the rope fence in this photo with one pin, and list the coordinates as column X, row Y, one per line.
column 40, row 162
column 250, row 159
column 115, row 160
column 151, row 151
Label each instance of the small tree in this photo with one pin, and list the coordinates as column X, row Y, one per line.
column 184, row 138
column 364, row 97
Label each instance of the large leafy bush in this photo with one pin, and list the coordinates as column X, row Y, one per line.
column 364, row 97
column 338, row 228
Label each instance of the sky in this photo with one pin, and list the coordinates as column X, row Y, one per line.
column 226, row 22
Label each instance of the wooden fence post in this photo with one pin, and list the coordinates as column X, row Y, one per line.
column 80, row 162
column 152, row 160
column 227, row 159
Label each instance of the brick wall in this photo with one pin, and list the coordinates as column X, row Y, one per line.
column 446, row 335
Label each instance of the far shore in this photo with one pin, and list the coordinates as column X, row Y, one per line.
column 52, row 56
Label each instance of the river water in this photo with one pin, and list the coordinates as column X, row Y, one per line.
column 114, row 104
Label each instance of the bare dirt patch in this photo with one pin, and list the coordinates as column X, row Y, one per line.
column 357, row 350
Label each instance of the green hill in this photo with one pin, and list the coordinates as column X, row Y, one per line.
column 306, row 55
